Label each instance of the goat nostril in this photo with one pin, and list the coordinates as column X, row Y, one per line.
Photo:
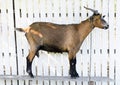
column 106, row 27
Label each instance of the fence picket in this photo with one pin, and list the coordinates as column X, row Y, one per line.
column 118, row 40
column 1, row 70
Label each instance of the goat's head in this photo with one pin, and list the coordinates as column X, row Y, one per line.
column 97, row 19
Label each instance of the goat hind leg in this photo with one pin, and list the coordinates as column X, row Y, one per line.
column 29, row 63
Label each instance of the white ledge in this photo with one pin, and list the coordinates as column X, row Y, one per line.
column 56, row 78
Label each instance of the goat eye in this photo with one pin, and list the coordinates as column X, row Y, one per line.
column 103, row 16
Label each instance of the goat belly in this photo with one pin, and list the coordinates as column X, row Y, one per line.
column 51, row 48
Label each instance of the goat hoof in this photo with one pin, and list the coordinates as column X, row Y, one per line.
column 74, row 75
column 31, row 75
column 28, row 71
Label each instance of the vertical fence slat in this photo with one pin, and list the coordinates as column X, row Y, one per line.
column 19, row 14
column 63, row 12
column 42, row 11
column 106, row 44
column 112, row 37
column 5, row 42
column 118, row 40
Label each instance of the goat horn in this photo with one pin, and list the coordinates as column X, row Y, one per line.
column 95, row 11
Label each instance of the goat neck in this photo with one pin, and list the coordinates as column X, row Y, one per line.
column 85, row 27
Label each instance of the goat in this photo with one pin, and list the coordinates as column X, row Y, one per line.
column 60, row 38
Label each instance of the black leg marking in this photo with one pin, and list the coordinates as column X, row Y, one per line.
column 29, row 66
column 73, row 71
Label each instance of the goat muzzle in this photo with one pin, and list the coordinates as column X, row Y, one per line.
column 106, row 27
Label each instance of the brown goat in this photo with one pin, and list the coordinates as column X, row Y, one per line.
column 61, row 38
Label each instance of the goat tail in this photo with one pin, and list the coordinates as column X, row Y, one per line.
column 23, row 29
column 20, row 29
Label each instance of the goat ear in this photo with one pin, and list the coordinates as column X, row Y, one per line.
column 91, row 18
column 100, row 16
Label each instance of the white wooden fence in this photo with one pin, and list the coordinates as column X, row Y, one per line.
column 50, row 68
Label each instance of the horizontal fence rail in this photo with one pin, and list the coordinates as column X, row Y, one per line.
column 101, row 46
column 55, row 78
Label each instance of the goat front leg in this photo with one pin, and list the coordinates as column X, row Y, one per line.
column 72, row 71
column 29, row 63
